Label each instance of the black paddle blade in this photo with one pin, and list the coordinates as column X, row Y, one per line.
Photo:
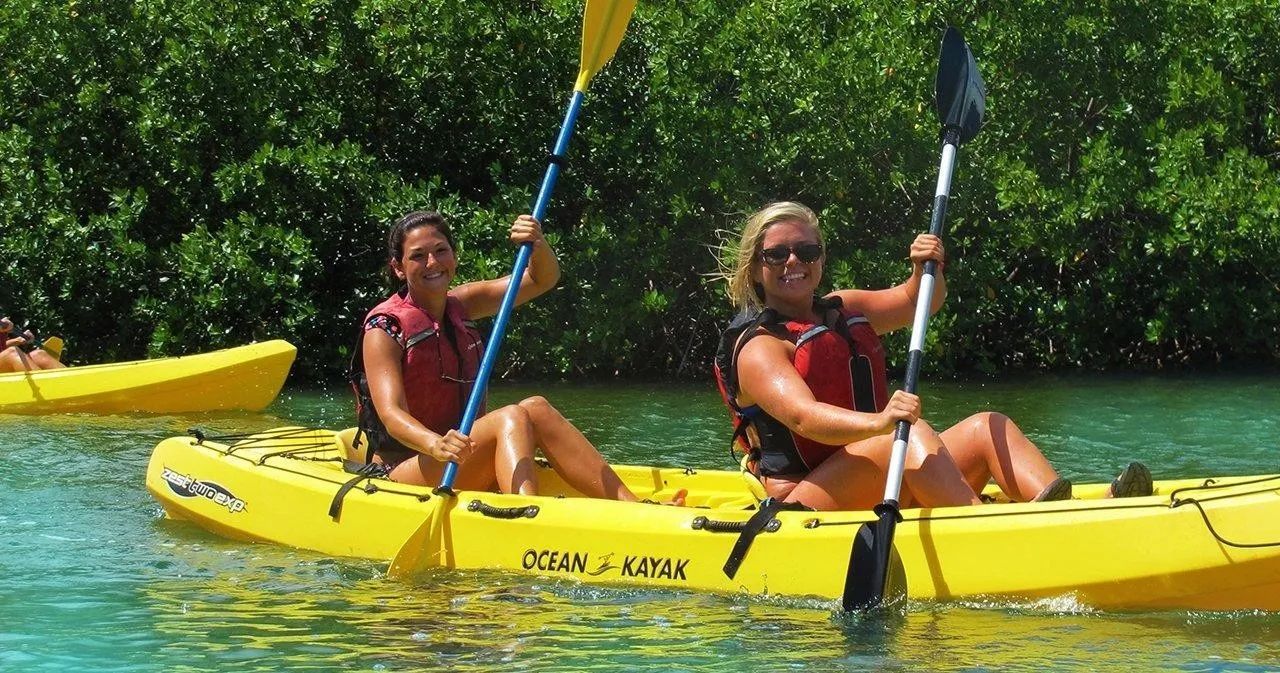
column 875, row 576
column 959, row 92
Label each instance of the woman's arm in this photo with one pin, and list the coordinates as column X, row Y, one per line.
column 386, row 386
column 767, row 377
column 895, row 307
column 483, row 298
column 6, row 328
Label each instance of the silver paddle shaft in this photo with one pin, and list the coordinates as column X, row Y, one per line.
column 920, row 325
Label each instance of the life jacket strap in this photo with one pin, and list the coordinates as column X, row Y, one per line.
column 419, row 338
column 739, row 433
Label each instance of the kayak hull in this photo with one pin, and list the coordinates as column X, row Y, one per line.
column 247, row 377
column 1135, row 553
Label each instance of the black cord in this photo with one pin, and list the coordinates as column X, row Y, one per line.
column 1212, row 531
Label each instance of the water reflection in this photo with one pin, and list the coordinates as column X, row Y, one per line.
column 91, row 577
column 268, row 609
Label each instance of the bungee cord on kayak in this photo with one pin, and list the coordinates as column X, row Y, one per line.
column 1209, row 485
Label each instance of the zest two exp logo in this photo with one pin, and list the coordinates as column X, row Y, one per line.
column 653, row 567
column 186, row 486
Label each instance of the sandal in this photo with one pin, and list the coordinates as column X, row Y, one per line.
column 1058, row 489
column 1133, row 482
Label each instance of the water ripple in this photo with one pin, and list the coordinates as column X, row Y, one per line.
column 94, row 578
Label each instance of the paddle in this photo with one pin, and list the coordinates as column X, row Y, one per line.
column 54, row 346
column 603, row 24
column 961, row 101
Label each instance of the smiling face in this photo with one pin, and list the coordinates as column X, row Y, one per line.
column 428, row 263
column 793, row 282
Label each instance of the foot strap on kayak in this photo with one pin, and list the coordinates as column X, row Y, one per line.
column 362, row 471
column 761, row 521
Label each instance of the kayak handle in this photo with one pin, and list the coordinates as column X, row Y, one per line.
column 711, row 526
column 525, row 511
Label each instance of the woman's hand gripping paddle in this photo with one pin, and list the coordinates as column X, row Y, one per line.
column 875, row 572
column 604, row 22
column 9, row 333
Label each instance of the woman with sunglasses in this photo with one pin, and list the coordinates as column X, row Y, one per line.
column 805, row 378
column 418, row 356
column 14, row 359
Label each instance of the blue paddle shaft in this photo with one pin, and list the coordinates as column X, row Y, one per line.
column 513, row 287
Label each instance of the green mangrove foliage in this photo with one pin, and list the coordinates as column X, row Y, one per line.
column 178, row 175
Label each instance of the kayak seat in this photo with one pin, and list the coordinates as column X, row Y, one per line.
column 352, row 451
column 754, row 486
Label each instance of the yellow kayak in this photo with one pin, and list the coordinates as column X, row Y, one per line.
column 248, row 377
column 1195, row 544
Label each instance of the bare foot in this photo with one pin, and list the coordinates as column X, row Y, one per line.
column 676, row 500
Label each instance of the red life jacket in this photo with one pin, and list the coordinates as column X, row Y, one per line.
column 842, row 361
column 438, row 367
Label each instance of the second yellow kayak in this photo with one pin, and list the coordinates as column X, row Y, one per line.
column 247, row 377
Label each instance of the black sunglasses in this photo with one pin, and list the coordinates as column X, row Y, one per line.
column 778, row 255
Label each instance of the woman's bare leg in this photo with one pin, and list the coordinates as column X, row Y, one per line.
column 574, row 458
column 990, row 446
column 13, row 359
column 514, row 446
column 503, row 457
column 854, row 477
column 42, row 360
column 849, row 479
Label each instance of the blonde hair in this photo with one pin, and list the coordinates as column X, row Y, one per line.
column 740, row 266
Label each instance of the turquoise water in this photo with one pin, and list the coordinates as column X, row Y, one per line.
column 93, row 578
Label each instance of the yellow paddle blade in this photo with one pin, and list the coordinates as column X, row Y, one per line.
column 424, row 548
column 604, row 22
column 53, row 346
